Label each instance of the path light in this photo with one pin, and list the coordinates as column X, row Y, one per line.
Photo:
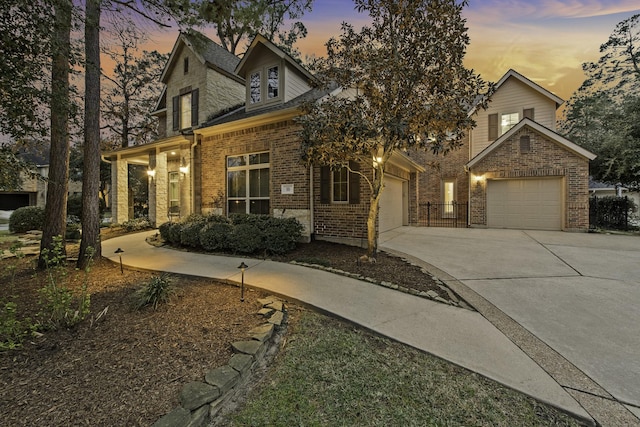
column 120, row 252
column 242, row 267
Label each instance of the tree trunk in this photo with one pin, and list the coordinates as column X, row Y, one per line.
column 374, row 204
column 90, row 244
column 55, row 220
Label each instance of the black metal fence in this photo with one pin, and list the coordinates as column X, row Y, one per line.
column 612, row 213
column 451, row 215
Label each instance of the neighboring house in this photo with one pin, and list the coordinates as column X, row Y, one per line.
column 33, row 191
column 230, row 144
column 600, row 189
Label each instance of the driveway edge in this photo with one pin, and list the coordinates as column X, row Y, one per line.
column 605, row 410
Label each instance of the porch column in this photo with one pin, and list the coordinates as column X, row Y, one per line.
column 119, row 191
column 185, row 183
column 158, row 189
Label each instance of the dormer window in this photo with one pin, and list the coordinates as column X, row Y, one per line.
column 264, row 85
column 273, row 82
column 255, row 88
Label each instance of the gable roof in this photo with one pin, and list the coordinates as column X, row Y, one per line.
column 514, row 74
column 558, row 139
column 241, row 68
column 208, row 53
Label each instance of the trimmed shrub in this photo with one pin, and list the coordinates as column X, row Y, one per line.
column 259, row 221
column 173, row 233
column 164, row 230
column 246, row 239
column 190, row 232
column 217, row 219
column 25, row 219
column 215, row 236
column 282, row 234
column 137, row 224
column 193, row 218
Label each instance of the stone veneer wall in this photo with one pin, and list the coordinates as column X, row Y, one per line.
column 546, row 159
column 282, row 142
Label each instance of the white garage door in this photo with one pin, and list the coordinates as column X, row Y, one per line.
column 534, row 204
column 392, row 205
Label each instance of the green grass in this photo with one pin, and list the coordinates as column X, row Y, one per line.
column 333, row 374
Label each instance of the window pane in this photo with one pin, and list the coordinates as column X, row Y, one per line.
column 236, row 161
column 255, row 88
column 237, row 183
column 256, row 159
column 259, row 207
column 185, row 111
column 508, row 121
column 273, row 84
column 449, row 197
column 237, row 206
column 340, row 185
column 174, row 189
column 259, row 182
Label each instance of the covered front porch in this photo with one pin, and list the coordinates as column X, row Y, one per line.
column 170, row 169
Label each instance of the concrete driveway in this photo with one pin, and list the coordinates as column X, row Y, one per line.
column 577, row 292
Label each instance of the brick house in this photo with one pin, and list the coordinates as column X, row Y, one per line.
column 230, row 144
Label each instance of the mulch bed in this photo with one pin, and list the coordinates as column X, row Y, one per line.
column 128, row 367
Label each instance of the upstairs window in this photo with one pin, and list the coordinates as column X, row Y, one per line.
column 507, row 121
column 185, row 65
column 264, row 85
column 185, row 109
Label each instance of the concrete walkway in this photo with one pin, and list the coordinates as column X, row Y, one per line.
column 461, row 336
column 578, row 294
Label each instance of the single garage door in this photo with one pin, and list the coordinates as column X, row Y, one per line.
column 534, row 204
column 393, row 207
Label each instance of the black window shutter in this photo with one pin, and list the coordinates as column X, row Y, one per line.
column 325, row 184
column 176, row 113
column 354, row 183
column 528, row 113
column 194, row 107
column 493, row 126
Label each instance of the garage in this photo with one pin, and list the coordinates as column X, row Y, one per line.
column 13, row 201
column 530, row 204
column 393, row 205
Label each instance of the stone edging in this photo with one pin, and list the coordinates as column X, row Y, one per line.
column 200, row 401
column 453, row 300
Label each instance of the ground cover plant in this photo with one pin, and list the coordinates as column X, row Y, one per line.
column 334, row 373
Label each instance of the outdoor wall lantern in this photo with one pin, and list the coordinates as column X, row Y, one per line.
column 242, row 268
column 151, row 173
column 119, row 251
column 478, row 179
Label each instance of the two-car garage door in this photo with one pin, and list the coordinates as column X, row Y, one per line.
column 534, row 204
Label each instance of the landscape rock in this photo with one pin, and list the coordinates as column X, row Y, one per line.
column 262, row 333
column 179, row 417
column 241, row 363
column 195, row 394
column 224, row 377
column 247, row 347
column 199, row 417
column 276, row 305
column 432, row 294
column 277, row 318
column 266, row 311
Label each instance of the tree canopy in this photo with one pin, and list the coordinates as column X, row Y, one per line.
column 405, row 87
column 603, row 114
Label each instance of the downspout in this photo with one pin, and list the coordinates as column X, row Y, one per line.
column 311, row 205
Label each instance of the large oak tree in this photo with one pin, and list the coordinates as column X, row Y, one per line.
column 409, row 89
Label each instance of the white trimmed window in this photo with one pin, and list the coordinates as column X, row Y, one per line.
column 507, row 121
column 174, row 190
column 340, row 185
column 448, row 197
column 255, row 88
column 248, row 184
column 264, row 85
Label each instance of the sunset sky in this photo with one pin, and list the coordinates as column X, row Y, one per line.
column 546, row 40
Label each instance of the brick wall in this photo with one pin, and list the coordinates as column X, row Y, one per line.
column 282, row 142
column 545, row 159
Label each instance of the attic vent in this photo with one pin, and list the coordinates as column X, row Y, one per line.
column 525, row 144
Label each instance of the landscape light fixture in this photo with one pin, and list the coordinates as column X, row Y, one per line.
column 242, row 267
column 119, row 251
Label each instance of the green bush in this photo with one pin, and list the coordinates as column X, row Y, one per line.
column 74, row 205
column 282, row 234
column 173, row 233
column 137, row 224
column 215, row 236
column 246, row 239
column 12, row 331
column 72, row 232
column 216, row 219
column 164, row 230
column 25, row 219
column 259, row 221
column 158, row 290
column 190, row 232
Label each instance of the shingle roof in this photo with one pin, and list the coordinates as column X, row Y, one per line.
column 212, row 52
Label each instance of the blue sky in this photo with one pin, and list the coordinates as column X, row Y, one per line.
column 546, row 40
